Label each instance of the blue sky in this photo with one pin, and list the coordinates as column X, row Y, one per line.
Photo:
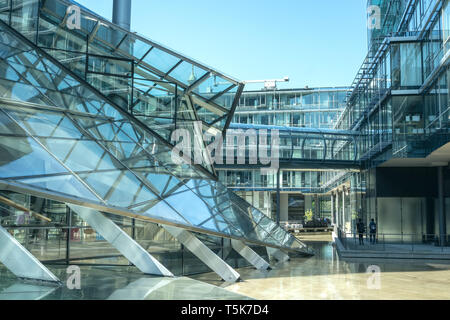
column 314, row 42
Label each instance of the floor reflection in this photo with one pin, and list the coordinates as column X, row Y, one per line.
column 326, row 276
column 26, row 291
column 172, row 289
column 112, row 283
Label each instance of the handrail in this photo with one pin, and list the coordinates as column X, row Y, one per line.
column 11, row 203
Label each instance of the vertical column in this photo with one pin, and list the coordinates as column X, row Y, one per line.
column 343, row 210
column 278, row 197
column 337, row 210
column 441, row 207
column 316, row 206
column 226, row 249
column 284, row 207
column 122, row 13
column 122, row 17
column 333, row 217
column 69, row 232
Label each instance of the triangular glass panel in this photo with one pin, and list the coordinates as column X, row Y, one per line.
column 66, row 184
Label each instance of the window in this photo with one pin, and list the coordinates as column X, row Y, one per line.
column 411, row 64
column 446, row 25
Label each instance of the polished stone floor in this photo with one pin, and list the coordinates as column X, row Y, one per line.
column 106, row 283
column 325, row 276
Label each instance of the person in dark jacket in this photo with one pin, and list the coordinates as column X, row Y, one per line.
column 360, row 227
column 373, row 232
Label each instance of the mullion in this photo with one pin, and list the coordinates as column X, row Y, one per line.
column 136, row 175
column 26, row 81
column 218, row 95
column 69, row 170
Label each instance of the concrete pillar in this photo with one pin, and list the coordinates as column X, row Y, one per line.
column 256, row 199
column 337, row 222
column 441, row 208
column 308, row 203
column 333, row 212
column 268, row 203
column 316, row 206
column 278, row 198
column 284, row 207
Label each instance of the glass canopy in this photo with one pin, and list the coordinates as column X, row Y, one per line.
column 162, row 88
column 59, row 139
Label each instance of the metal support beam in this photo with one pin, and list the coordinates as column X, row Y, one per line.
column 20, row 261
column 277, row 254
column 206, row 255
column 248, row 254
column 121, row 241
column 441, row 206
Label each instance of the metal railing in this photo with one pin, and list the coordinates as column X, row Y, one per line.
column 395, row 242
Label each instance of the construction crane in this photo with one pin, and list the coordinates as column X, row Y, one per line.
column 269, row 84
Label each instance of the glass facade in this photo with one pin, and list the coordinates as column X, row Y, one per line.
column 292, row 112
column 69, row 239
column 161, row 88
column 398, row 108
column 302, row 108
column 399, row 104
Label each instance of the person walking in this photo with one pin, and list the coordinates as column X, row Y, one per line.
column 360, row 227
column 373, row 232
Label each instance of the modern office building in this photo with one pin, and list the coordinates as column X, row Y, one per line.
column 399, row 103
column 87, row 174
column 387, row 155
column 300, row 108
column 290, row 109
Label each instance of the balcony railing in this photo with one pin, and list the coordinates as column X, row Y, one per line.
column 395, row 242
